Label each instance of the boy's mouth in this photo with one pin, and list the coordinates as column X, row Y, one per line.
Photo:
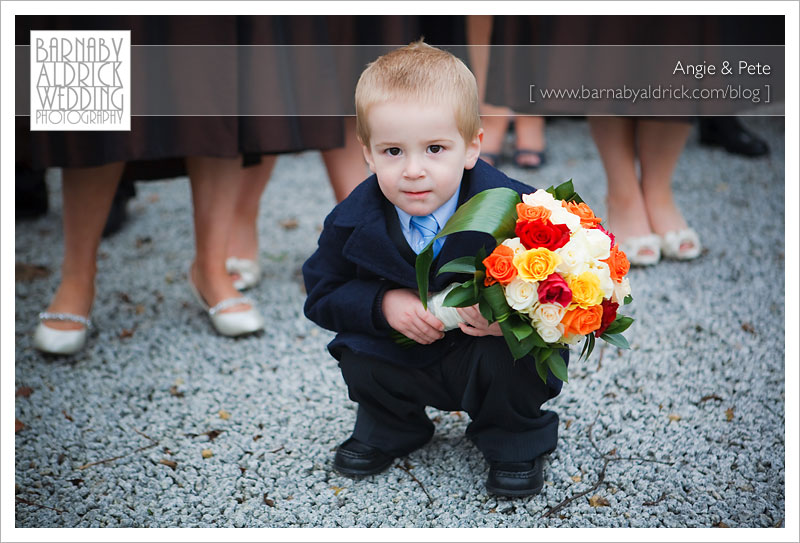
column 417, row 194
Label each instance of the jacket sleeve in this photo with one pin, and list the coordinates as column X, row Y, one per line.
column 338, row 299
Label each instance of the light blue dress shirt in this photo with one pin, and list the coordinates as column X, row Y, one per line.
column 442, row 215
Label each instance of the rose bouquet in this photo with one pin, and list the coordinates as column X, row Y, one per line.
column 555, row 278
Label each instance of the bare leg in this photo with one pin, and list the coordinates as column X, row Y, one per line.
column 495, row 119
column 243, row 242
column 346, row 166
column 660, row 147
column 626, row 213
column 87, row 194
column 530, row 135
column 216, row 185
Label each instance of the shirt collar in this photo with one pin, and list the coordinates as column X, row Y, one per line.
column 442, row 214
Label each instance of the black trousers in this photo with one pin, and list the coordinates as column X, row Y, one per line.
column 503, row 398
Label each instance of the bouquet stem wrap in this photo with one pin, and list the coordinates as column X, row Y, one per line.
column 448, row 315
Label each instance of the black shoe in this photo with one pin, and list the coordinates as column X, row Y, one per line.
column 516, row 479
column 730, row 134
column 358, row 459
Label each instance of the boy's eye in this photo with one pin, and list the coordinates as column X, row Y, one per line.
column 394, row 151
column 435, row 148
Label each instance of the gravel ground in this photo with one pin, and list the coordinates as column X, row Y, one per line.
column 684, row 430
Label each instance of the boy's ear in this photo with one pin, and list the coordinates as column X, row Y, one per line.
column 368, row 156
column 474, row 150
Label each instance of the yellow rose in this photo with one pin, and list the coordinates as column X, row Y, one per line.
column 536, row 264
column 586, row 290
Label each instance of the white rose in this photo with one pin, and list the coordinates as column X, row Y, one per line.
column 516, row 245
column 601, row 270
column 550, row 334
column 574, row 339
column 621, row 290
column 575, row 257
column 547, row 314
column 598, row 242
column 520, row 294
column 561, row 216
column 541, row 198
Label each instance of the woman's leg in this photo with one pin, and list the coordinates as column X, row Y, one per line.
column 626, row 214
column 243, row 242
column 87, row 194
column 660, row 146
column 346, row 167
column 530, row 137
column 216, row 185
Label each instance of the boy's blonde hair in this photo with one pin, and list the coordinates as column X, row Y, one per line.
column 422, row 73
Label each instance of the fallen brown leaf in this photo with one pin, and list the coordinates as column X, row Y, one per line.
column 289, row 224
column 139, row 309
column 721, row 524
column 169, row 463
column 337, row 489
column 29, row 272
column 729, row 414
column 256, row 438
column 224, row 415
column 126, row 333
column 576, row 478
column 568, row 423
column 18, row 426
column 709, row 397
column 269, row 502
column 598, row 501
column 747, row 327
column 674, row 417
column 23, row 392
column 213, row 434
column 175, row 392
column 67, row 416
column 207, row 453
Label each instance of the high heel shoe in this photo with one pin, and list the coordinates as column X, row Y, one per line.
column 62, row 342
column 248, row 270
column 671, row 243
column 236, row 323
column 633, row 247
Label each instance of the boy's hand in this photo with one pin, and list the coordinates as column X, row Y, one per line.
column 475, row 324
column 404, row 313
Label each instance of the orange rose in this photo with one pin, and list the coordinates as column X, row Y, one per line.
column 618, row 264
column 532, row 213
column 500, row 266
column 582, row 321
column 588, row 220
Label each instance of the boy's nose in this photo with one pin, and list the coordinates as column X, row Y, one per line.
column 414, row 168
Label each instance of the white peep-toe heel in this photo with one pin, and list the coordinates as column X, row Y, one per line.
column 671, row 244
column 633, row 247
column 236, row 323
column 249, row 272
column 62, row 342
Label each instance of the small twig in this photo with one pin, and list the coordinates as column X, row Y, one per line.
column 569, row 500
column 600, row 360
column 402, row 467
column 107, row 460
column 279, row 449
column 660, row 499
column 145, row 435
column 26, row 502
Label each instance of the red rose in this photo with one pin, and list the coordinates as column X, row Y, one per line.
column 534, row 234
column 609, row 314
column 554, row 290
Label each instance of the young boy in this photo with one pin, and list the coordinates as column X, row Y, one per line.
column 418, row 123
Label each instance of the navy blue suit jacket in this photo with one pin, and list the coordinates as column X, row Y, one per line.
column 360, row 257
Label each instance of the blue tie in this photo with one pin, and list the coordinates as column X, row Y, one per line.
column 427, row 228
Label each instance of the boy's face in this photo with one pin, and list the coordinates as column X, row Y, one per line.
column 418, row 154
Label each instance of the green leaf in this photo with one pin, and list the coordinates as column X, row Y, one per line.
column 492, row 211
column 461, row 296
column 628, row 299
column 565, row 191
column 620, row 324
column 617, row 340
column 541, row 369
column 558, row 366
column 521, row 329
column 465, row 264
column 486, row 310
column 588, row 347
